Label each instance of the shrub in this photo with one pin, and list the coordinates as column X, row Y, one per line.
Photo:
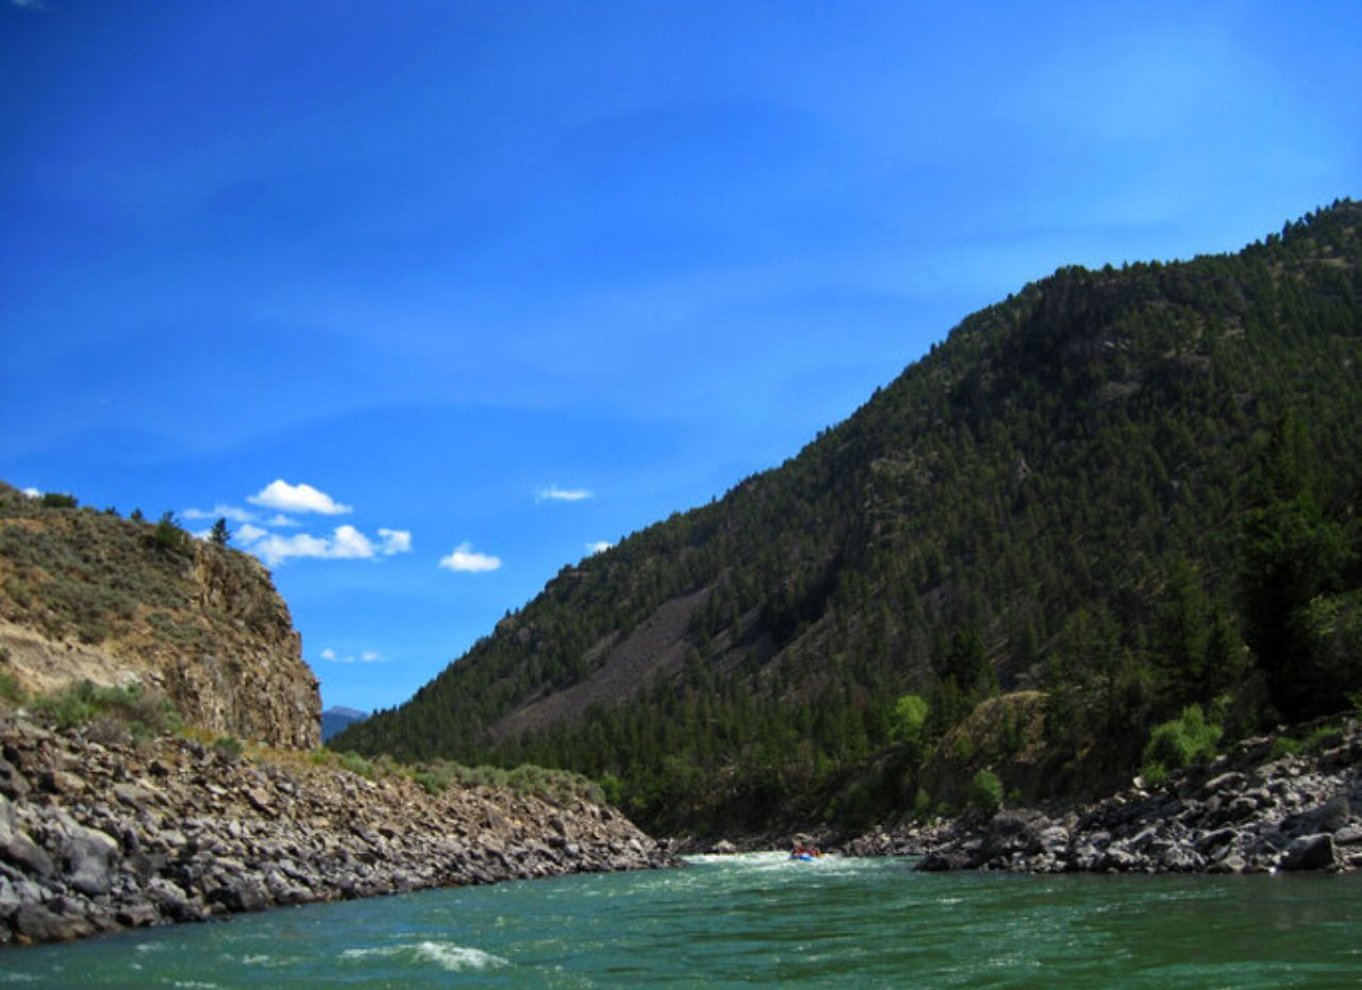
column 10, row 689
column 1184, row 741
column 66, row 709
column 1283, row 746
column 922, row 804
column 228, row 748
column 986, row 792
column 108, row 730
column 612, row 790
column 356, row 764
column 910, row 721
column 168, row 537
column 1155, row 774
column 1322, row 738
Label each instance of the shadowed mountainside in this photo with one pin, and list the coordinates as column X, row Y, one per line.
column 1121, row 489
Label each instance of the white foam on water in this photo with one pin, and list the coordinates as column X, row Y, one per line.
column 773, row 861
column 457, row 957
column 446, row 955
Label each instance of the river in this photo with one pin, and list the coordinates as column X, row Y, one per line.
column 761, row 920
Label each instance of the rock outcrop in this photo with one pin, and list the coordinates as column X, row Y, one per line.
column 86, row 595
column 100, row 836
column 1244, row 812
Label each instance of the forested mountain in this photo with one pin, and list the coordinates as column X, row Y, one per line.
column 1123, row 491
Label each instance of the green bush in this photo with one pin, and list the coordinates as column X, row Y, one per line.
column 612, row 790
column 922, row 804
column 1283, row 746
column 1155, row 774
column 1184, row 741
column 65, row 710
column 229, row 748
column 1322, row 738
column 10, row 689
column 356, row 764
column 430, row 781
column 910, row 721
column 1329, row 631
column 986, row 792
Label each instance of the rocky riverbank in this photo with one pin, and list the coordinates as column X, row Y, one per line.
column 1251, row 810
column 97, row 836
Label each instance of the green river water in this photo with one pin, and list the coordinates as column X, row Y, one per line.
column 761, row 920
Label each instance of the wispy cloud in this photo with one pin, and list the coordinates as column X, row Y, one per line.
column 229, row 512
column 366, row 656
column 33, row 493
column 30, row 4
column 394, row 541
column 279, row 494
column 555, row 493
column 249, row 533
column 465, row 560
column 600, row 546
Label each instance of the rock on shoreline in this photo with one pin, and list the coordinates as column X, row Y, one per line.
column 1244, row 813
column 94, row 838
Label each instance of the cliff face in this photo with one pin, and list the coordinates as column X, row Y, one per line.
column 85, row 595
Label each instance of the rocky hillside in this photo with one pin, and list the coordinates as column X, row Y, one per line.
column 1125, row 490
column 99, row 832
column 87, row 595
column 1263, row 806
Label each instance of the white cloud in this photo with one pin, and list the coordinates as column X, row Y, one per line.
column 466, row 560
column 249, row 533
column 368, row 656
column 553, row 493
column 348, row 542
column 279, row 494
column 274, row 549
column 229, row 512
column 33, row 493
column 345, row 543
column 255, row 533
column 600, row 546
column 30, row 4
column 394, row 541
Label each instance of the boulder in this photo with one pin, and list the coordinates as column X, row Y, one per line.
column 89, row 854
column 1349, row 835
column 17, row 848
column 942, row 861
column 35, row 923
column 12, row 782
column 1330, row 816
column 1309, row 852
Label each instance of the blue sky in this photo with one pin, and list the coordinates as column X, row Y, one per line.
column 433, row 298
